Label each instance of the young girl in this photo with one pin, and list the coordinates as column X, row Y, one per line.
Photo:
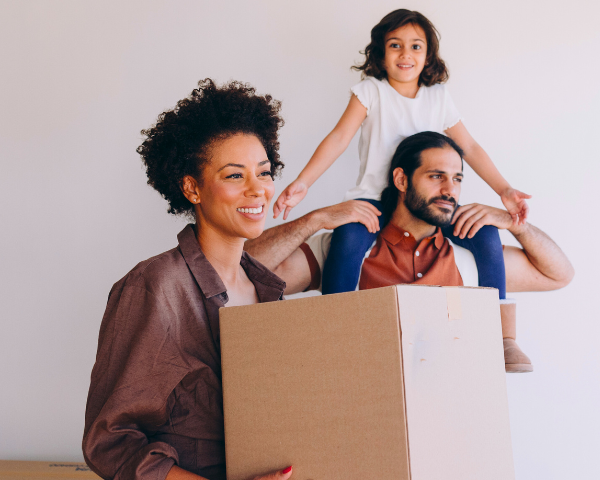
column 402, row 93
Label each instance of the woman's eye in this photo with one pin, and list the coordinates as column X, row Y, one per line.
column 266, row 173
column 234, row 175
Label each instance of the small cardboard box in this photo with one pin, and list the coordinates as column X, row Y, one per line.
column 404, row 382
column 17, row 470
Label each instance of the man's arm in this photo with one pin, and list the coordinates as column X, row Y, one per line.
column 539, row 266
column 278, row 248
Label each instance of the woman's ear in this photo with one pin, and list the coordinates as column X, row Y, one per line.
column 400, row 179
column 190, row 188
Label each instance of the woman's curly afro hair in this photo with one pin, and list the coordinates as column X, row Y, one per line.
column 179, row 143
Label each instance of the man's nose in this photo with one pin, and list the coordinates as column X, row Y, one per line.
column 449, row 187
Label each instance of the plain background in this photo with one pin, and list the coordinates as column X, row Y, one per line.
column 79, row 80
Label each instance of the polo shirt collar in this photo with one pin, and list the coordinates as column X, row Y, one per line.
column 394, row 235
column 269, row 286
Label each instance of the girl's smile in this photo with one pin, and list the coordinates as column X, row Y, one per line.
column 405, row 57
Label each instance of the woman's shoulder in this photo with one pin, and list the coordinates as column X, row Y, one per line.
column 156, row 274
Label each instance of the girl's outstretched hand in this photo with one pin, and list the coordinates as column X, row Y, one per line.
column 289, row 198
column 515, row 203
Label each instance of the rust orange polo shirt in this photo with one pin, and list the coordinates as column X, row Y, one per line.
column 397, row 258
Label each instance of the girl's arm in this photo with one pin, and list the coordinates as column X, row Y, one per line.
column 326, row 153
column 482, row 164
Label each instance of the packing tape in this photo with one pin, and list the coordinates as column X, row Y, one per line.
column 454, row 303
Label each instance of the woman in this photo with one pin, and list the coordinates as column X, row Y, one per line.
column 154, row 407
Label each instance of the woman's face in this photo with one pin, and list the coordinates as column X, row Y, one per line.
column 236, row 188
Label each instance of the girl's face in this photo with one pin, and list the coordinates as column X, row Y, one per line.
column 236, row 188
column 405, row 56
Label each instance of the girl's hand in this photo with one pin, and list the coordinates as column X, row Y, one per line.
column 289, row 198
column 515, row 203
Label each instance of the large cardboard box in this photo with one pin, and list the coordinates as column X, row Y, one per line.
column 403, row 382
column 25, row 470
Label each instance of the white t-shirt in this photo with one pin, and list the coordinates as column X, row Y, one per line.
column 390, row 119
column 465, row 261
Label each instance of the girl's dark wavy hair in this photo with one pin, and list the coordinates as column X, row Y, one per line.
column 408, row 158
column 435, row 70
column 179, row 143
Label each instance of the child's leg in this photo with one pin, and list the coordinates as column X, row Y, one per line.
column 487, row 250
column 349, row 243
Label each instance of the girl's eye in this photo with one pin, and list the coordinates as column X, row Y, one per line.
column 394, row 45
column 416, row 47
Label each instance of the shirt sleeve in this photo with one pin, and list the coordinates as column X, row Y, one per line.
column 452, row 115
column 137, row 368
column 365, row 91
column 316, row 254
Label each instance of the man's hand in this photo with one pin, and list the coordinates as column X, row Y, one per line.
column 468, row 219
column 515, row 203
column 352, row 211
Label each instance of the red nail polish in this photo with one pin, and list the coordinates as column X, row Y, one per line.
column 287, row 470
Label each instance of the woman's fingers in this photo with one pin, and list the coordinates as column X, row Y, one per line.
column 278, row 475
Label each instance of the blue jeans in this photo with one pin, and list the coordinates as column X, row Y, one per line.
column 350, row 243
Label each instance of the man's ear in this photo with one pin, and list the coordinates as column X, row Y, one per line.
column 190, row 188
column 400, row 180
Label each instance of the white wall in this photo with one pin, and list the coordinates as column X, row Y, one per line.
column 79, row 80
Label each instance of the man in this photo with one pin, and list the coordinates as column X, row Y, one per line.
column 421, row 197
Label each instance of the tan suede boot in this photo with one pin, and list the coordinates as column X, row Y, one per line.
column 515, row 361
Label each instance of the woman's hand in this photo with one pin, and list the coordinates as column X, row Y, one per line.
column 289, row 198
column 278, row 475
column 468, row 219
column 515, row 203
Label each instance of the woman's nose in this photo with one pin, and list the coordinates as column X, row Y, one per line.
column 255, row 187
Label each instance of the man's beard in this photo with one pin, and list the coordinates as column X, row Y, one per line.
column 424, row 209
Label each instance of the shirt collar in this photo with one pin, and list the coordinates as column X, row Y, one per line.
column 269, row 286
column 394, row 235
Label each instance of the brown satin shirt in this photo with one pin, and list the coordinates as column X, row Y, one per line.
column 155, row 396
column 397, row 258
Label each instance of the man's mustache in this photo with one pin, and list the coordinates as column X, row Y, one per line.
column 443, row 198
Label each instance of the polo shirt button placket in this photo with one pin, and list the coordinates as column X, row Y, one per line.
column 419, row 275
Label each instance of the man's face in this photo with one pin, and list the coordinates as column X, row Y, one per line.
column 433, row 192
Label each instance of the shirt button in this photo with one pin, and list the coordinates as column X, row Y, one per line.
column 417, row 253
column 406, row 234
column 419, row 275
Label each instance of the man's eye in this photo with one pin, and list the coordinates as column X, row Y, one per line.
column 459, row 180
column 436, row 176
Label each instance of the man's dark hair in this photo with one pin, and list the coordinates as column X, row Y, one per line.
column 435, row 70
column 408, row 158
column 180, row 141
